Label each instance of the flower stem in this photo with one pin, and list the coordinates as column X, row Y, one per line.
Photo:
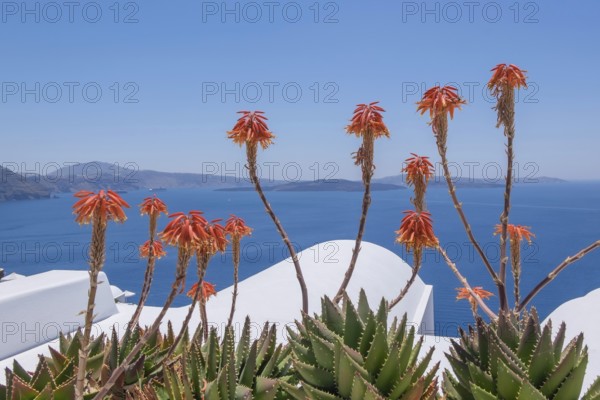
column 515, row 252
column 367, row 174
column 204, row 318
column 409, row 283
column 506, row 116
column 251, row 150
column 236, row 265
column 361, row 228
column 202, row 264
column 148, row 275
column 97, row 258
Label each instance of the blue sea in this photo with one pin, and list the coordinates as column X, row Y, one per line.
column 41, row 235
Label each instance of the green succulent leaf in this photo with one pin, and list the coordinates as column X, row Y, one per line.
column 332, row 316
column 364, row 310
column 345, row 370
column 377, row 352
column 481, row 378
column 323, row 351
column 481, row 394
column 528, row 392
column 316, row 394
column 314, row 375
column 42, row 376
column 353, row 326
column 528, row 341
column 562, row 370
column 571, row 387
column 509, row 383
column 542, row 361
column 559, row 341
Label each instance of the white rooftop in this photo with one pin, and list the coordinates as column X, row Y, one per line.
column 36, row 308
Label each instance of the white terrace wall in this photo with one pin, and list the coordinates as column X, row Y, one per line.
column 34, row 309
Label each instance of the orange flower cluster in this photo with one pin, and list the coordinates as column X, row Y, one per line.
column 416, row 230
column 439, row 100
column 251, row 127
column 516, row 232
column 106, row 205
column 216, row 238
column 153, row 206
column 464, row 294
column 157, row 249
column 367, row 117
column 194, row 232
column 186, row 231
column 418, row 167
column 236, row 227
column 507, row 75
column 208, row 290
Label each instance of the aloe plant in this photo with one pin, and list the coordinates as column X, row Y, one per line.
column 517, row 359
column 54, row 376
column 351, row 353
column 221, row 370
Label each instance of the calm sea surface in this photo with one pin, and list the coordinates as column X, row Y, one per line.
column 41, row 235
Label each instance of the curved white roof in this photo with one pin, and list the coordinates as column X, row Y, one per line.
column 579, row 315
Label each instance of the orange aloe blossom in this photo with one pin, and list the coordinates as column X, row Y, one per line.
column 151, row 250
column 251, row 130
column 505, row 80
column 156, row 248
column 441, row 102
column 464, row 294
column 415, row 233
column 202, row 295
column 208, row 290
column 185, row 232
column 367, row 122
column 97, row 209
column 516, row 234
column 236, row 228
column 418, row 170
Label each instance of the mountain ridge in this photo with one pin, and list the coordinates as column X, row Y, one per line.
column 14, row 186
column 98, row 175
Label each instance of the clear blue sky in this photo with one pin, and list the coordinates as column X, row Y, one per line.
column 178, row 51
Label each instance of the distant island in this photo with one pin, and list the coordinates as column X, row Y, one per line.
column 467, row 182
column 541, row 179
column 100, row 175
column 333, row 185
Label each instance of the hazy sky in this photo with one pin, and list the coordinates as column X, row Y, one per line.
column 173, row 74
